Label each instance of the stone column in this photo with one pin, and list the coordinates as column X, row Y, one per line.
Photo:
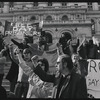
column 6, row 7
column 56, row 4
column 95, row 6
column 97, row 26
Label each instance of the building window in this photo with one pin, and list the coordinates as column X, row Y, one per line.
column 49, row 3
column 78, row 16
column 76, row 5
column 64, row 18
column 11, row 4
column 33, row 18
column 48, row 18
column 1, row 4
column 64, row 4
column 90, row 7
column 89, row 3
column 35, row 4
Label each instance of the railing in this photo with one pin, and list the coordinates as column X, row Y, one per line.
column 30, row 7
column 67, row 22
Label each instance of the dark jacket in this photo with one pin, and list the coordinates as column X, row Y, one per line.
column 3, row 93
column 91, row 52
column 76, row 87
column 13, row 71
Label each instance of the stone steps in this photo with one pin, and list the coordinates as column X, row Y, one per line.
column 5, row 82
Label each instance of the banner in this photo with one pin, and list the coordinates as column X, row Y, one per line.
column 20, row 29
column 93, row 78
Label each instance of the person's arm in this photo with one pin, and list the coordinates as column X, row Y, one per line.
column 42, row 74
column 2, row 60
column 27, row 70
column 20, row 45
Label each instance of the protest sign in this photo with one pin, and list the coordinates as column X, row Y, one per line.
column 20, row 29
column 93, row 78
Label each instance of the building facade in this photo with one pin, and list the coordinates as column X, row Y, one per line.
column 77, row 19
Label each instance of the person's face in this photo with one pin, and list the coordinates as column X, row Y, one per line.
column 75, row 58
column 42, row 65
column 15, row 56
column 61, row 67
column 27, row 56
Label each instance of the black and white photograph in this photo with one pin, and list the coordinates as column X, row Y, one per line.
column 49, row 50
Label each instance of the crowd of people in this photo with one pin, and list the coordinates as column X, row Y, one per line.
column 29, row 74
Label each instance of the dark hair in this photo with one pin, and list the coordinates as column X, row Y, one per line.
column 45, row 62
column 90, row 42
column 27, row 50
column 27, row 39
column 69, row 62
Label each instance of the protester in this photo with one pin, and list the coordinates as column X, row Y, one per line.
column 82, row 49
column 22, row 85
column 70, row 85
column 63, row 41
column 75, row 60
column 37, row 88
column 80, row 65
column 91, row 51
column 12, row 75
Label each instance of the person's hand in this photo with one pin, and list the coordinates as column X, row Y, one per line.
column 69, row 42
column 17, row 51
column 10, row 46
column 34, row 60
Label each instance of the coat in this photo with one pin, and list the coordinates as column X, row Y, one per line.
column 13, row 71
column 37, row 88
column 74, row 87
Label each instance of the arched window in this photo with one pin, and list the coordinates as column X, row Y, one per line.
column 64, row 18
column 32, row 18
column 48, row 18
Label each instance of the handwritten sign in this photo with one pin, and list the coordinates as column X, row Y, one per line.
column 93, row 78
column 20, row 29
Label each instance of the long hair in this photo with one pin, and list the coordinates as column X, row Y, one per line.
column 46, row 64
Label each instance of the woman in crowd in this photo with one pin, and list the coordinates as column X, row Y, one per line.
column 37, row 88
